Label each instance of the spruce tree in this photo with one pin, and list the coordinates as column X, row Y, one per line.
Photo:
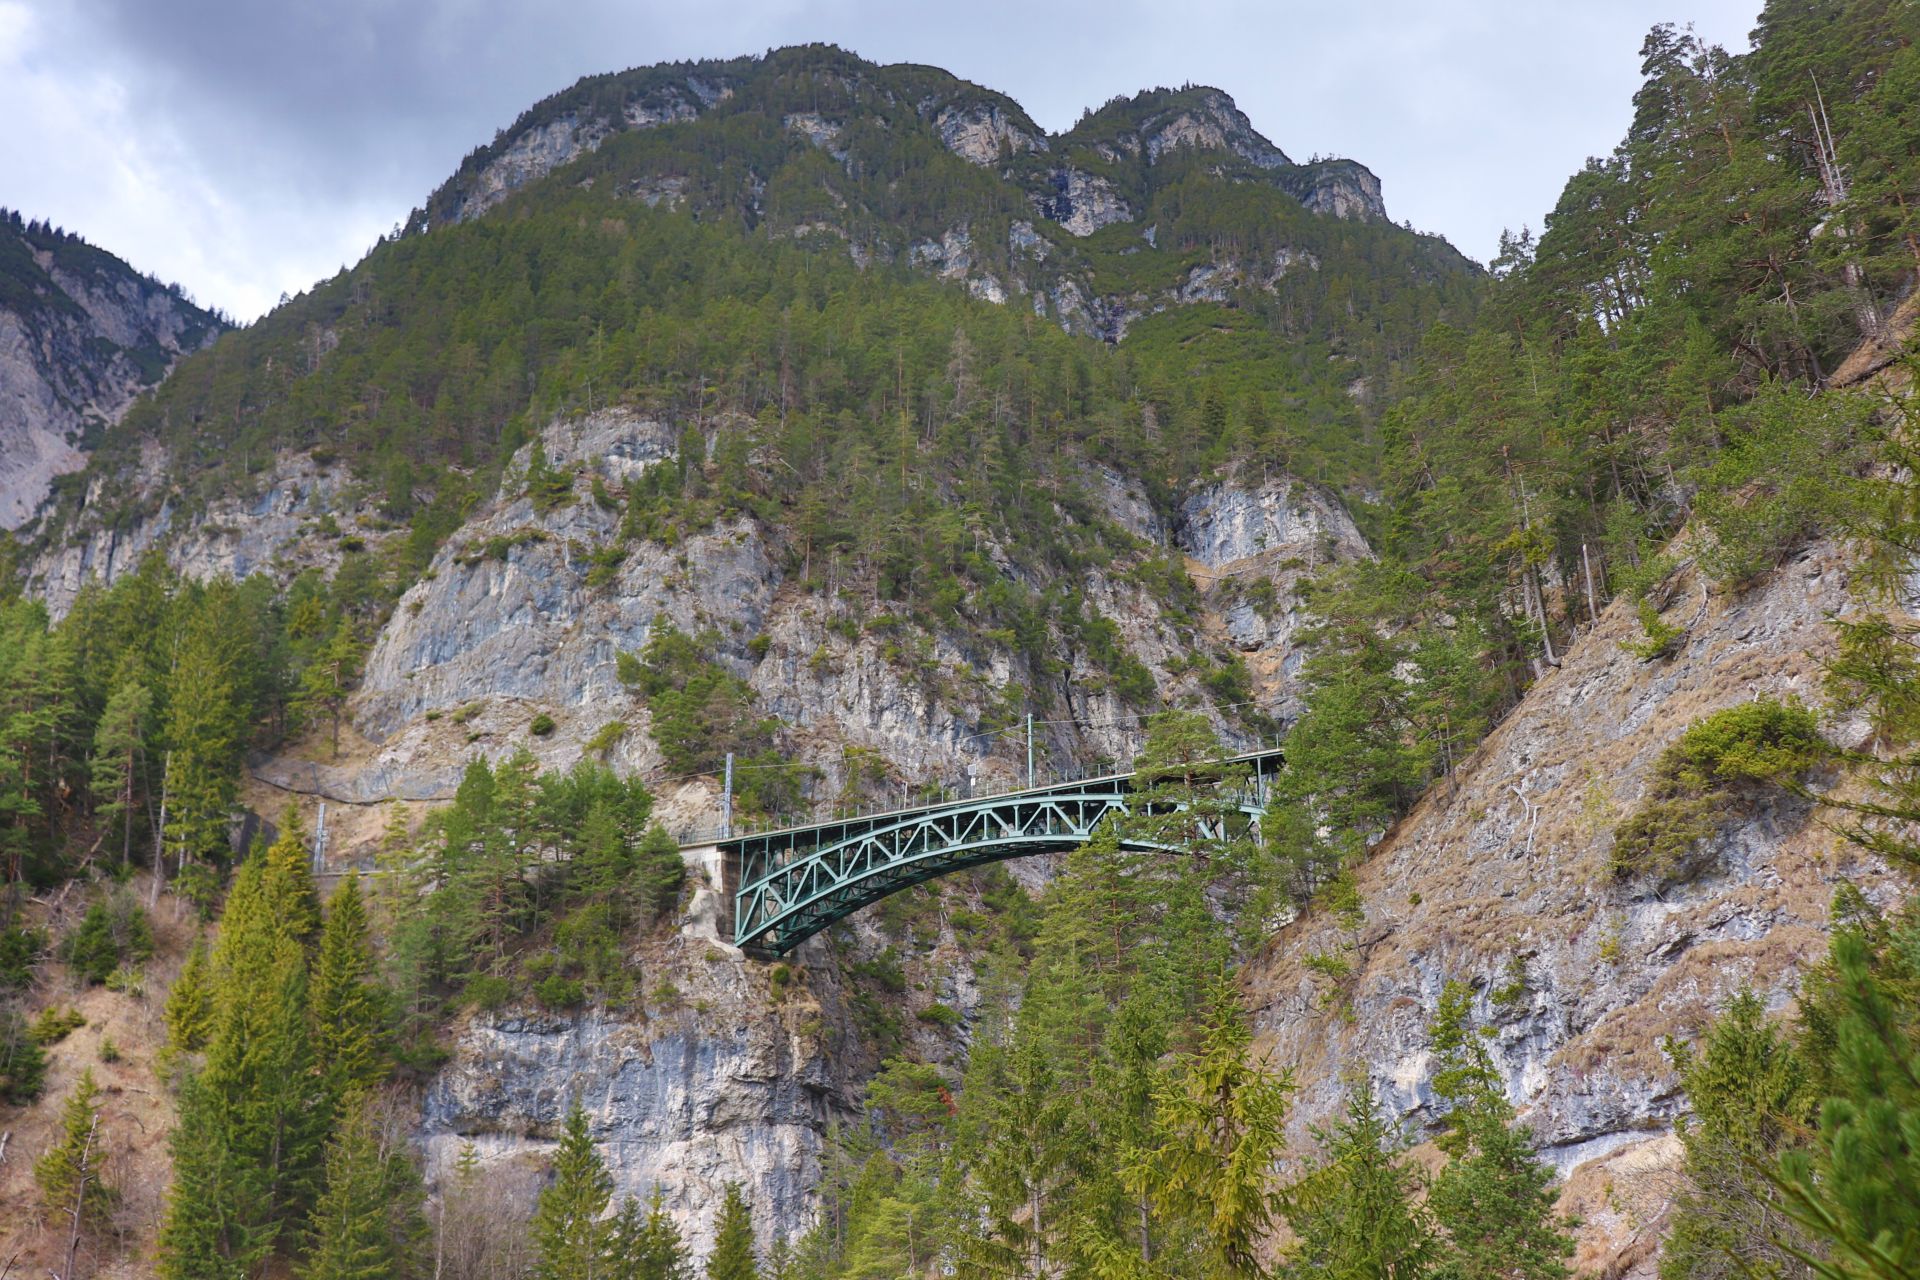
column 208, row 1232
column 1223, row 1114
column 568, row 1235
column 119, row 740
column 350, row 1007
column 204, row 732
column 72, row 1191
column 1356, row 1215
column 368, row 1223
column 1494, row 1198
column 189, row 1010
column 289, row 895
column 733, row 1255
column 647, row 1246
column 1748, row 1090
column 249, row 1149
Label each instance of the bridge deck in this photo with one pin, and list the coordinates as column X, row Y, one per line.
column 789, row 883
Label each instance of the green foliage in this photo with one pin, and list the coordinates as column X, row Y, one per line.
column 605, row 737
column 189, row 1008
column 558, row 992
column 351, row 1010
column 1357, row 1215
column 20, row 949
column 55, row 1023
column 1853, row 1188
column 700, row 711
column 568, row 857
column 546, row 487
column 23, row 1065
column 368, row 1223
column 1658, row 637
column 1494, row 1198
column 1781, row 475
column 648, row 1247
column 113, row 933
column 1722, row 760
column 1223, row 1114
column 733, row 1256
column 1748, row 1089
column 570, row 1237
column 541, row 725
column 72, row 1186
column 249, row 1148
column 329, row 677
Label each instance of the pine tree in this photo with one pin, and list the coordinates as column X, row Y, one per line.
column 328, row 679
column 1748, row 1089
column 368, row 1223
column 648, row 1246
column 69, row 1174
column 1494, row 1199
column 1223, row 1113
column 569, row 1236
column 733, row 1254
column 1356, row 1217
column 1854, row 1191
column 599, row 871
column 118, row 743
column 659, row 871
column 350, row 1007
column 189, row 1011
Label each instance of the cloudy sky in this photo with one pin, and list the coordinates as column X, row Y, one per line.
column 248, row 147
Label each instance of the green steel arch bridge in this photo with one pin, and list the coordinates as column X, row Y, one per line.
column 789, row 884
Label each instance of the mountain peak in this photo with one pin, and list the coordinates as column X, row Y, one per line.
column 819, row 87
column 1157, row 121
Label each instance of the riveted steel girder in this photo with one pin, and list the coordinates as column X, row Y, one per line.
column 788, row 885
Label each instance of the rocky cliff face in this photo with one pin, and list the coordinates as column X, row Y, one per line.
column 507, row 625
column 1500, row 879
column 708, row 1076
column 1158, row 122
column 81, row 335
column 1082, row 181
column 301, row 515
column 1339, row 189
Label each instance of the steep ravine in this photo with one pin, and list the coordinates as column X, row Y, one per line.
column 708, row 1075
column 1499, row 878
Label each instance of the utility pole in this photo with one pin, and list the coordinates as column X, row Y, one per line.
column 726, row 802
column 1029, row 749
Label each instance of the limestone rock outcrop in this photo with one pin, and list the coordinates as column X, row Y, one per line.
column 82, row 334
column 1499, row 878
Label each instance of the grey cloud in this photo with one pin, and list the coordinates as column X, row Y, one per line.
column 279, row 137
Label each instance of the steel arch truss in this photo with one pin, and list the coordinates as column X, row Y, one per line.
column 788, row 885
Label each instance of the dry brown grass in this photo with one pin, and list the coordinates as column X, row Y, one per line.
column 136, row 1111
column 1469, row 879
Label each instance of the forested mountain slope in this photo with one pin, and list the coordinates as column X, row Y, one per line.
column 81, row 334
column 820, row 414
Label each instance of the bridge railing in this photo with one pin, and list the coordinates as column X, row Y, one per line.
column 1045, row 780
